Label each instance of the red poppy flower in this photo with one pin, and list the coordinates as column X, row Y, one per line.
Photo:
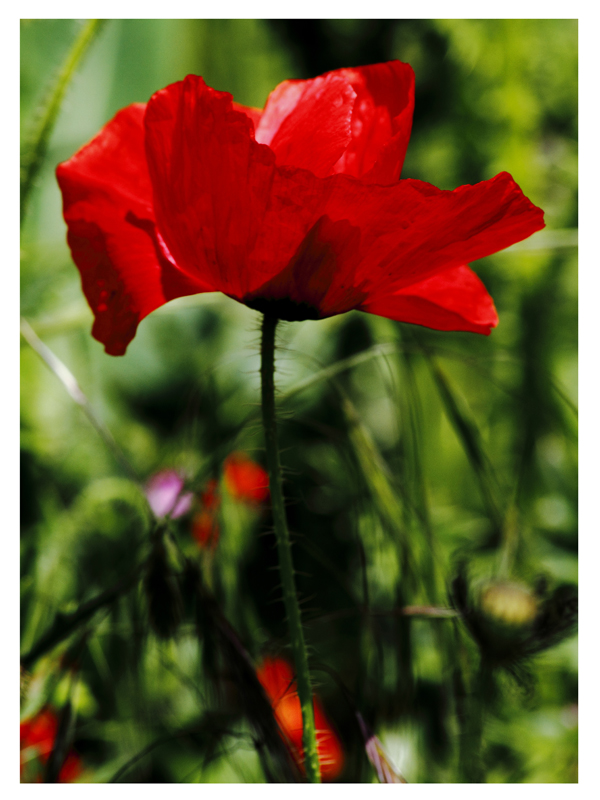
column 37, row 736
column 245, row 479
column 277, row 679
column 296, row 210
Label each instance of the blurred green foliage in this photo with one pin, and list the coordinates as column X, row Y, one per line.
column 442, row 455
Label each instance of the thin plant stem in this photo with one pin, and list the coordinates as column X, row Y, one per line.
column 471, row 764
column 33, row 155
column 284, row 550
column 70, row 383
column 64, row 624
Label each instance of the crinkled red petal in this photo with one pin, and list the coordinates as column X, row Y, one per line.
column 381, row 121
column 126, row 271
column 365, row 242
column 280, row 103
column 317, row 130
column 320, row 277
column 254, row 114
column 452, row 300
column 369, row 125
column 211, row 181
column 411, row 231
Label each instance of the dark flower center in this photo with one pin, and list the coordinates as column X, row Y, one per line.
column 284, row 308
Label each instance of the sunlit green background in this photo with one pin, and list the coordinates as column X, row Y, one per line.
column 491, row 96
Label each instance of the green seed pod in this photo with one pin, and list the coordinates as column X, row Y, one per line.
column 508, row 604
column 502, row 621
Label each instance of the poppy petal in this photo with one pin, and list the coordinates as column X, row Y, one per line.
column 126, row 271
column 211, row 181
column 318, row 281
column 255, row 114
column 411, row 231
column 280, row 103
column 381, row 121
column 463, row 225
column 309, row 129
column 379, row 126
column 453, row 300
column 372, row 241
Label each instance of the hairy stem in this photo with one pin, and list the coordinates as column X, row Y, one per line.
column 284, row 550
column 35, row 151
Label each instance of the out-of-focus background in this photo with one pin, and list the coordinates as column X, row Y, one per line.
column 425, row 461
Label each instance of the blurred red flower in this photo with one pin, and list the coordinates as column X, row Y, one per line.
column 205, row 528
column 37, row 736
column 245, row 479
column 296, row 210
column 277, row 679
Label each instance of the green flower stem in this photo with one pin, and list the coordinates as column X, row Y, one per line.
column 284, row 550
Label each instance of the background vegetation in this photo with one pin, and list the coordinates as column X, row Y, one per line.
column 424, row 468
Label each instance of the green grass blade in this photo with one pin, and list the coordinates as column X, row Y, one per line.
column 70, row 383
column 468, row 433
column 413, row 474
column 380, row 485
column 329, row 372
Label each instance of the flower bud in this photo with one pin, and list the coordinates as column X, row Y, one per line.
column 508, row 604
